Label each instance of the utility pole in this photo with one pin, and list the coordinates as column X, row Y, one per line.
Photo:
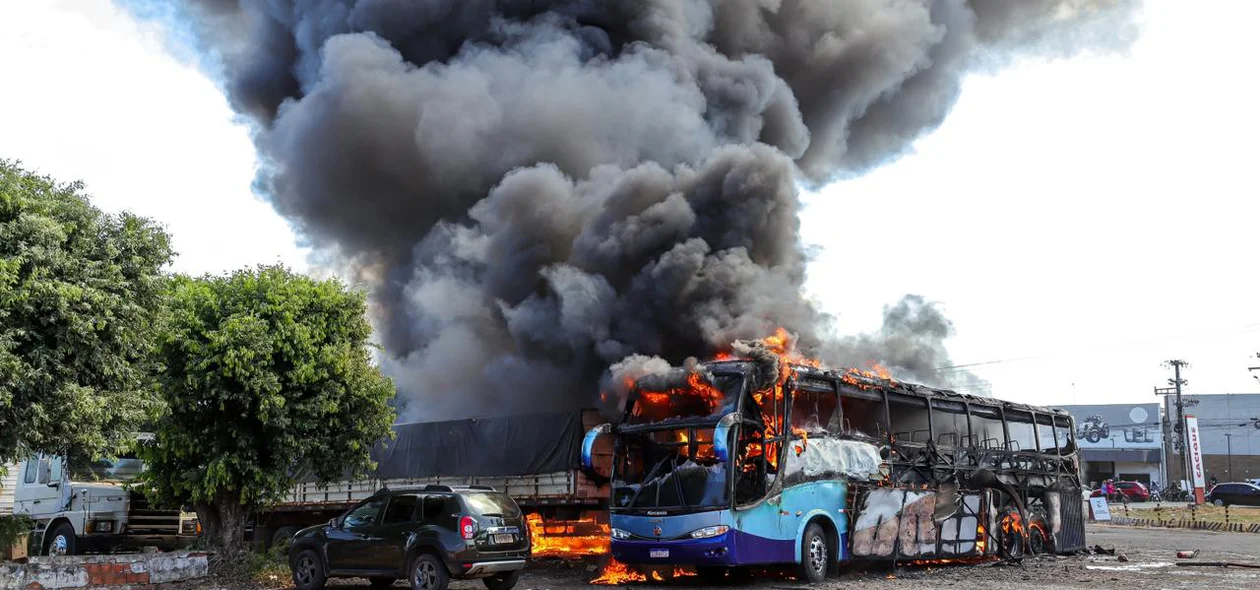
column 1180, row 425
column 1229, row 457
column 1254, row 369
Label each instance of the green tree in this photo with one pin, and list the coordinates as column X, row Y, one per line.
column 79, row 290
column 266, row 375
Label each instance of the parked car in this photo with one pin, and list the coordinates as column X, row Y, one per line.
column 1133, row 491
column 427, row 535
column 1235, row 494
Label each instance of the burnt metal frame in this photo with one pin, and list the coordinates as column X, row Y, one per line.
column 1030, row 472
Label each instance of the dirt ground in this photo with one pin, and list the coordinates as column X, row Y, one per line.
column 1150, row 563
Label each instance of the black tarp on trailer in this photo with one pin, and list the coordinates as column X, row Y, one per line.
column 506, row 446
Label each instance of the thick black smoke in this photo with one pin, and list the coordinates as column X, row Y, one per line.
column 538, row 189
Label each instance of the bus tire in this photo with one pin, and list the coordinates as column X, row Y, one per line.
column 815, row 555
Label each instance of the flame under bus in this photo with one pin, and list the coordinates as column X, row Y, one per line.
column 721, row 468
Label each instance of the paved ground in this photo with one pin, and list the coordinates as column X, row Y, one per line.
column 1150, row 553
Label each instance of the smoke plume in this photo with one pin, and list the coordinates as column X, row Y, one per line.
column 536, row 190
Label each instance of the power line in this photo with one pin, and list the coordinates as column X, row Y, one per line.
column 1243, row 329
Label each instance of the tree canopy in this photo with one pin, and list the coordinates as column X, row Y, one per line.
column 267, row 375
column 80, row 291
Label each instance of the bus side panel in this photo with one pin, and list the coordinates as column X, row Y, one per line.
column 763, row 537
column 825, row 500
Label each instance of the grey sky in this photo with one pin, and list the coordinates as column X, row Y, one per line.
column 1096, row 214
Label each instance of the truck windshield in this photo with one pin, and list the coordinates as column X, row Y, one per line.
column 669, row 468
column 695, row 395
column 122, row 469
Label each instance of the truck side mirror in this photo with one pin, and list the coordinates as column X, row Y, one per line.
column 722, row 436
column 588, row 444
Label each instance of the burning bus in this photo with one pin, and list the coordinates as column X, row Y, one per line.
column 774, row 460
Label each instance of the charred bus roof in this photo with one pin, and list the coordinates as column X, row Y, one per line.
column 856, row 381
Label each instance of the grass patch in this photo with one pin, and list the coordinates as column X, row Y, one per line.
column 1180, row 512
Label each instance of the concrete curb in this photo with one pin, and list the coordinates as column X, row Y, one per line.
column 1201, row 525
column 104, row 571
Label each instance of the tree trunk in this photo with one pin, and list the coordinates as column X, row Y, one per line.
column 223, row 523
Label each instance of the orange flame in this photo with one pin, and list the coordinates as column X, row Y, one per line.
column 563, row 538
column 617, row 573
column 981, row 539
column 804, row 438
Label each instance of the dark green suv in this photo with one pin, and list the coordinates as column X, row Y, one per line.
column 425, row 535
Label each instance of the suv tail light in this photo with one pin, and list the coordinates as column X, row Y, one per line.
column 468, row 527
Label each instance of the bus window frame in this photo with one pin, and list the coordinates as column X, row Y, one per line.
column 944, row 404
column 909, row 399
column 1032, row 421
column 1037, row 416
column 1071, row 435
column 980, row 442
column 882, row 432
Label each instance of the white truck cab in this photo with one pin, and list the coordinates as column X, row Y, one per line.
column 89, row 508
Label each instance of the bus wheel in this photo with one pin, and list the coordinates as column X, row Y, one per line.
column 815, row 555
column 1039, row 540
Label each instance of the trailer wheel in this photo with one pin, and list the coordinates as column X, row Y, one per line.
column 283, row 537
column 815, row 555
column 60, row 541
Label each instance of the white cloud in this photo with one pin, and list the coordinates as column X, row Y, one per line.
column 1097, row 214
column 90, row 94
column 1072, row 205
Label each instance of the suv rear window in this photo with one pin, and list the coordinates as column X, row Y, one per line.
column 487, row 503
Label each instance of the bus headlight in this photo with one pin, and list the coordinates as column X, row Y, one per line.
column 620, row 534
column 710, row 532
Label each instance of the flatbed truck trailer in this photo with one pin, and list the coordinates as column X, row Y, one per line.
column 534, row 458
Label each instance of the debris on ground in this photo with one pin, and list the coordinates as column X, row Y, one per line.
column 1188, row 554
column 1220, row 564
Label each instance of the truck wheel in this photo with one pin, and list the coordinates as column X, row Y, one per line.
column 308, row 572
column 502, row 581
column 282, row 538
column 428, row 573
column 61, row 541
column 1093, row 436
column 815, row 555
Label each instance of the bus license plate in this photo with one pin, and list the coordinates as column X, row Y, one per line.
column 658, row 553
column 504, row 539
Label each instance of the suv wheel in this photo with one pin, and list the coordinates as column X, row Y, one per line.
column 502, row 581
column 428, row 573
column 308, row 572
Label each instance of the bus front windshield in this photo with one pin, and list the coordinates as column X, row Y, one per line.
column 673, row 469
column 685, row 396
